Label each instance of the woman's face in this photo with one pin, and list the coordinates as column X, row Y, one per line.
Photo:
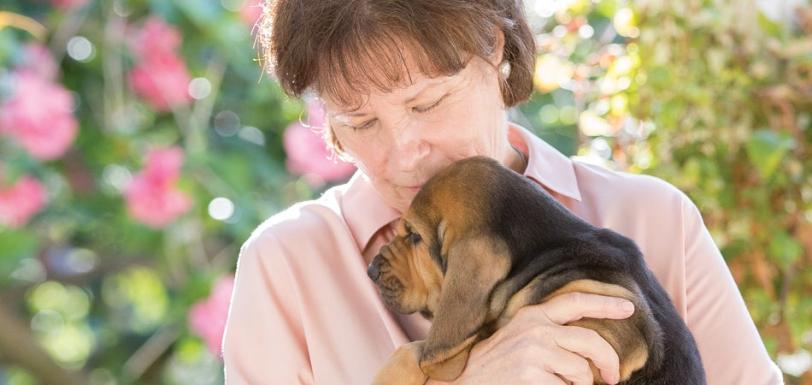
column 402, row 137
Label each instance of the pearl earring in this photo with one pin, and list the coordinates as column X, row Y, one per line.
column 504, row 69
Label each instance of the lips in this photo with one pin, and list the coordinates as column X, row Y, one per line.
column 415, row 186
column 411, row 188
column 414, row 189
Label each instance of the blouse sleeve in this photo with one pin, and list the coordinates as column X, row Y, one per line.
column 264, row 342
column 731, row 349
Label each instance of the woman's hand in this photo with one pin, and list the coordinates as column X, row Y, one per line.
column 536, row 347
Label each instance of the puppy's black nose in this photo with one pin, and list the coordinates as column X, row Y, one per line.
column 373, row 272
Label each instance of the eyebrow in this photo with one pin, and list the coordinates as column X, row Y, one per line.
column 409, row 100
column 351, row 114
column 418, row 93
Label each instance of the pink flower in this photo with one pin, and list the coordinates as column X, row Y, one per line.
column 155, row 39
column 207, row 318
column 38, row 115
column 164, row 164
column 68, row 4
column 250, row 11
column 151, row 196
column 162, row 83
column 160, row 75
column 307, row 153
column 38, row 59
column 21, row 201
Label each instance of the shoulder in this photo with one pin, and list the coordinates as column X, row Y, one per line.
column 303, row 223
column 637, row 205
column 628, row 190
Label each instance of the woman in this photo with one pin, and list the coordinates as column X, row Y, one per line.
column 410, row 86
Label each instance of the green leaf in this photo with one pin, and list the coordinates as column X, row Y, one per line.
column 770, row 27
column 783, row 249
column 15, row 245
column 202, row 13
column 660, row 76
column 8, row 47
column 766, row 149
column 607, row 8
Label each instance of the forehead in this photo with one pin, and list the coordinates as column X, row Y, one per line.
column 397, row 95
column 395, row 70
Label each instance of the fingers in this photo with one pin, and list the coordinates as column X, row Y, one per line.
column 566, row 351
column 573, row 306
column 588, row 343
column 549, row 379
column 570, row 367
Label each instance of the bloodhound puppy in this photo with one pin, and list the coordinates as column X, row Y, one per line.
column 480, row 241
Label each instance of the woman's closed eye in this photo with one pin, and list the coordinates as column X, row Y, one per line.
column 363, row 126
column 419, row 109
column 431, row 106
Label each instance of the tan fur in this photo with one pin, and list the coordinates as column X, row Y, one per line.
column 402, row 367
column 430, row 276
column 475, row 265
column 591, row 286
column 517, row 301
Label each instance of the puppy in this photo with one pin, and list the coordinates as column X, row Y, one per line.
column 480, row 241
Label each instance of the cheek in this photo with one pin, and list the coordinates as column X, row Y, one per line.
column 473, row 124
column 368, row 155
column 467, row 133
column 371, row 156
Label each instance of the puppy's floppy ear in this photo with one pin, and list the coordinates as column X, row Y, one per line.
column 475, row 265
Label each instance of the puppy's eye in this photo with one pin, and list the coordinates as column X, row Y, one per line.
column 414, row 237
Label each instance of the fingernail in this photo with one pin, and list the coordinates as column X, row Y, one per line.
column 612, row 379
column 627, row 307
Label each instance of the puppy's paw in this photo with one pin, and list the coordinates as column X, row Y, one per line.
column 402, row 368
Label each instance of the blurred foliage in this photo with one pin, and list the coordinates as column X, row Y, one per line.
column 104, row 295
column 716, row 98
column 711, row 95
column 730, row 92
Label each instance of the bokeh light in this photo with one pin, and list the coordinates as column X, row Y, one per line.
column 221, row 208
column 80, row 48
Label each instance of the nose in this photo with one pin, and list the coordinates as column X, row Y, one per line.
column 410, row 145
column 373, row 272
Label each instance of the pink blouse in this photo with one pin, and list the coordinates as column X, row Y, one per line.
column 304, row 312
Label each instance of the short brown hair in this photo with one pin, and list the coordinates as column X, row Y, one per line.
column 341, row 47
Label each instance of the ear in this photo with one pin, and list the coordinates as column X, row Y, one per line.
column 497, row 55
column 475, row 265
